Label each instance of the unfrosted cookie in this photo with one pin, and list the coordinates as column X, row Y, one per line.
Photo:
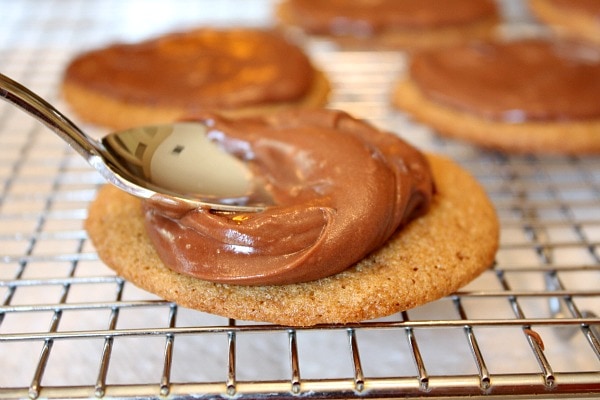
column 578, row 19
column 529, row 96
column 405, row 24
column 429, row 258
column 237, row 72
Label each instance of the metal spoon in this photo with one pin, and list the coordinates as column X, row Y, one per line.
column 170, row 162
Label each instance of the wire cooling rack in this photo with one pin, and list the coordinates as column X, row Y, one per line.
column 70, row 328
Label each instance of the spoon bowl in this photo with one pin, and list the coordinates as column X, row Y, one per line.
column 169, row 162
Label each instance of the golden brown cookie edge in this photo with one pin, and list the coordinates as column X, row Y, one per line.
column 399, row 39
column 101, row 109
column 565, row 137
column 568, row 23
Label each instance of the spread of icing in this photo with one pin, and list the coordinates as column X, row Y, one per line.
column 199, row 69
column 367, row 16
column 587, row 6
column 528, row 80
column 341, row 188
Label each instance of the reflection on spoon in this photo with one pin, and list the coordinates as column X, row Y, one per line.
column 179, row 157
column 169, row 162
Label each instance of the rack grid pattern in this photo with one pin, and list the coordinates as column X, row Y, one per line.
column 70, row 328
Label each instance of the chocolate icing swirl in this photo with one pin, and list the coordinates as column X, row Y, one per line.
column 198, row 70
column 341, row 188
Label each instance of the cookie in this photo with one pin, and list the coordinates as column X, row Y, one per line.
column 429, row 258
column 400, row 24
column 577, row 19
column 237, row 72
column 529, row 96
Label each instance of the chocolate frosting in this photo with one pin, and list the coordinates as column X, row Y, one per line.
column 591, row 7
column 200, row 69
column 530, row 80
column 367, row 16
column 341, row 188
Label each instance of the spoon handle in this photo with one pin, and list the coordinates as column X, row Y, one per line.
column 34, row 105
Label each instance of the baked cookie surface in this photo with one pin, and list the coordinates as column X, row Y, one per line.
column 237, row 72
column 404, row 24
column 429, row 258
column 522, row 97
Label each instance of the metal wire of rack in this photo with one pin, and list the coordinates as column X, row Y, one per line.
column 70, row 328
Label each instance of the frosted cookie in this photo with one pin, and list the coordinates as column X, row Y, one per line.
column 237, row 72
column 577, row 19
column 411, row 243
column 407, row 24
column 525, row 96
